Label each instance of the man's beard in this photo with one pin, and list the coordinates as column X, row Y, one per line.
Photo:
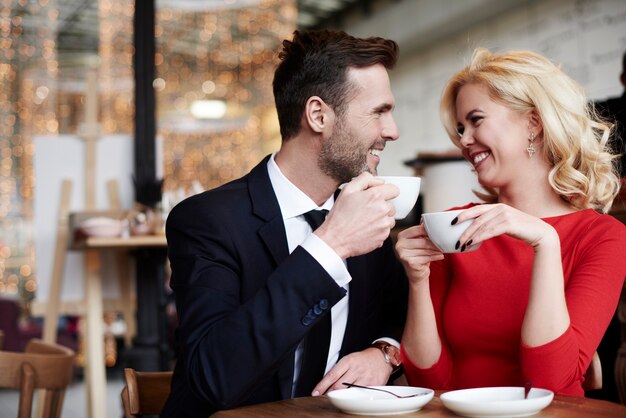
column 341, row 158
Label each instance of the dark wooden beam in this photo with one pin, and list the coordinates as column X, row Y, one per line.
column 147, row 186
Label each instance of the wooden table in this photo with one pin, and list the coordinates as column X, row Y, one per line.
column 95, row 370
column 561, row 407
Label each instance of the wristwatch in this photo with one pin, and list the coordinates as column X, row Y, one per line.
column 391, row 354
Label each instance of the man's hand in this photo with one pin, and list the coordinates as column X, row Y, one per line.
column 361, row 218
column 367, row 367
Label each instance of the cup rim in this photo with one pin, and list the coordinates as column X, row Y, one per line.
column 446, row 212
column 400, row 177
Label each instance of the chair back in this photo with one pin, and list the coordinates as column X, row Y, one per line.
column 145, row 393
column 593, row 375
column 42, row 366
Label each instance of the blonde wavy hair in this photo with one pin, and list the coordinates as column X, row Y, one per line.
column 574, row 137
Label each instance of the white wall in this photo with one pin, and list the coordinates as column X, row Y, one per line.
column 437, row 37
column 62, row 157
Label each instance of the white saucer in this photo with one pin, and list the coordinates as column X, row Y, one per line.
column 102, row 227
column 503, row 402
column 370, row 402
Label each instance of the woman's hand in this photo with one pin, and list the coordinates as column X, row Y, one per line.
column 497, row 219
column 420, row 339
column 416, row 251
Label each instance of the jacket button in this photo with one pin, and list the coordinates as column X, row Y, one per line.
column 323, row 304
column 309, row 318
column 317, row 310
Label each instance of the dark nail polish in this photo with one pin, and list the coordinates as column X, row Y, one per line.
column 458, row 244
column 469, row 243
column 454, row 221
column 463, row 248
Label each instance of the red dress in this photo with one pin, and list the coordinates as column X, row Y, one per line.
column 480, row 299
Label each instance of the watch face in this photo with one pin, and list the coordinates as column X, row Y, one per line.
column 394, row 355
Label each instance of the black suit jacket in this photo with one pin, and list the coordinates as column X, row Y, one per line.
column 615, row 111
column 241, row 298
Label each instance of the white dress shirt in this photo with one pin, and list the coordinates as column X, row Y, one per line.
column 293, row 204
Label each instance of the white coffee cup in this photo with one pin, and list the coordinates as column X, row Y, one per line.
column 409, row 191
column 443, row 234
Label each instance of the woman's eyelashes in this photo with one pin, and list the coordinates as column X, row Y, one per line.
column 476, row 120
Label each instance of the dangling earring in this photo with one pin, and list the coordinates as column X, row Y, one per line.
column 531, row 150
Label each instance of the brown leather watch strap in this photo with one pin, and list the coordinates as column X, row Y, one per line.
column 390, row 352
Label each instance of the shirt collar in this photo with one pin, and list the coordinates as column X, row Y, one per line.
column 292, row 201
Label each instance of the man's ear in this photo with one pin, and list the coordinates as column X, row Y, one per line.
column 317, row 114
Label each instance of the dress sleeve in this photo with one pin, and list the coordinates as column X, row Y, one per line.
column 592, row 292
column 438, row 376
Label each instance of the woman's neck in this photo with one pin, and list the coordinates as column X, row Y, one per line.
column 540, row 201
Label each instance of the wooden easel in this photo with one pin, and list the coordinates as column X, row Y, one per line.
column 53, row 305
column 94, row 352
column 125, row 284
column 90, row 136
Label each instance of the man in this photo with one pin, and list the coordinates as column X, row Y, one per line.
column 614, row 110
column 255, row 289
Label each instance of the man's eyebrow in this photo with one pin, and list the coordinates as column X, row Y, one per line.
column 383, row 107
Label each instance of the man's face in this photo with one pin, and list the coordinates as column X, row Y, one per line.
column 359, row 135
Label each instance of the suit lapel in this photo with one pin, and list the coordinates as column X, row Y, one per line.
column 265, row 206
column 357, row 309
column 272, row 234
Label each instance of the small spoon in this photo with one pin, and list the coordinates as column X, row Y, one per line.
column 352, row 385
column 527, row 388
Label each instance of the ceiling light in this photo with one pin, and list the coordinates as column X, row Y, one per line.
column 208, row 109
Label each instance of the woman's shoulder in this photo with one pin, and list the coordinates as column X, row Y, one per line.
column 591, row 226
column 608, row 224
column 596, row 239
column 594, row 219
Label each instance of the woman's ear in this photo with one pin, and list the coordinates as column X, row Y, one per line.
column 317, row 114
column 534, row 123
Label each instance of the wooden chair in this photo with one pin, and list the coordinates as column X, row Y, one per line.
column 41, row 366
column 620, row 373
column 593, row 375
column 145, row 393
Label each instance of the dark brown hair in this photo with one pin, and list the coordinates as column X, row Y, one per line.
column 316, row 63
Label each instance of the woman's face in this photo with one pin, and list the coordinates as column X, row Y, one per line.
column 493, row 138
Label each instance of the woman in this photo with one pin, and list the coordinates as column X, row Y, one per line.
column 532, row 303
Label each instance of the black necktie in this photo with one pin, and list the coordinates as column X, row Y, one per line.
column 315, row 217
column 317, row 340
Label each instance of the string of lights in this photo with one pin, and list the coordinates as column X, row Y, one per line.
column 224, row 56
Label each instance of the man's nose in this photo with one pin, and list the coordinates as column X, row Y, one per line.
column 390, row 130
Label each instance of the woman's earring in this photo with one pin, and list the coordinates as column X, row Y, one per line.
column 531, row 149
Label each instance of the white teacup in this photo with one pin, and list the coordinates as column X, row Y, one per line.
column 443, row 234
column 409, row 191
